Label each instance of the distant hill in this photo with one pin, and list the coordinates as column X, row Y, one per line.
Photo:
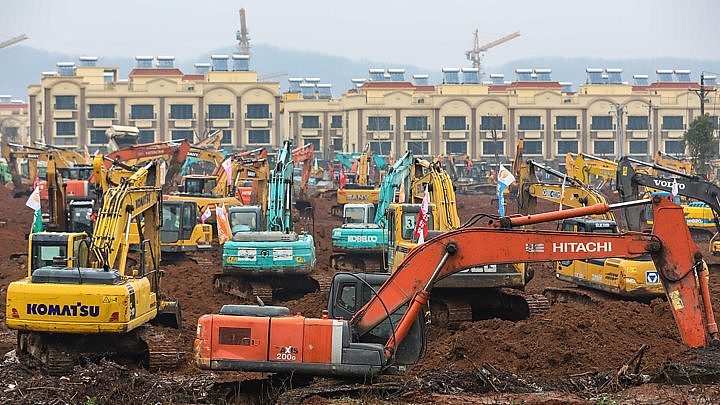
column 22, row 66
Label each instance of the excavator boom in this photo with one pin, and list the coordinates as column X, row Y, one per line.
column 673, row 251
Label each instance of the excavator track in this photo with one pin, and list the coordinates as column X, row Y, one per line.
column 357, row 263
column 262, row 290
column 162, row 352
column 537, row 303
column 570, row 294
column 58, row 361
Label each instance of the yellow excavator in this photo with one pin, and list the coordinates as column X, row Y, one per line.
column 588, row 168
column 624, row 277
column 84, row 297
column 474, row 293
column 360, row 189
column 215, row 190
column 671, row 162
column 25, row 163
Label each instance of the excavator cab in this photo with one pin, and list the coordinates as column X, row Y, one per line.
column 180, row 230
column 81, row 216
column 195, row 184
column 349, row 292
column 55, row 249
column 246, row 218
column 401, row 225
column 358, row 213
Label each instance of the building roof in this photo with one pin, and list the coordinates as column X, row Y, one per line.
column 498, row 87
column 194, row 77
column 396, row 85
column 22, row 107
column 534, row 84
column 155, row 72
column 674, row 85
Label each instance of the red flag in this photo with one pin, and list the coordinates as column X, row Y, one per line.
column 36, row 180
column 343, row 179
column 331, row 170
column 421, row 224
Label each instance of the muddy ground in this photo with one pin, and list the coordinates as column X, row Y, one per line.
column 573, row 353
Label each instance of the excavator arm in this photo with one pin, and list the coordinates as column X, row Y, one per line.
column 572, row 194
column 582, row 165
column 121, row 205
column 280, row 191
column 670, row 245
column 304, row 154
column 629, row 181
column 56, row 198
column 173, row 154
column 441, row 191
column 671, row 162
column 393, row 180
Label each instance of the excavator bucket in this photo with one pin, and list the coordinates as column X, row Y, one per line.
column 679, row 268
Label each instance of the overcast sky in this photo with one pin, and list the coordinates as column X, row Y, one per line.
column 427, row 33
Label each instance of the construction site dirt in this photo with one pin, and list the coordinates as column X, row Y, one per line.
column 573, row 353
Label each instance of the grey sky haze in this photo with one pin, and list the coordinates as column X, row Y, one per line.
column 424, row 33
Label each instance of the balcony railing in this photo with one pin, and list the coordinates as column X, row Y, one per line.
column 426, row 128
column 445, row 128
column 268, row 117
column 65, row 107
column 368, row 129
column 152, row 117
column 182, row 117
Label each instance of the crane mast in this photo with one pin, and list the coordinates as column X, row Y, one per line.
column 242, row 36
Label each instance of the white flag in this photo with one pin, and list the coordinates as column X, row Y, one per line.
column 34, row 200
column 674, row 189
column 421, row 224
column 227, row 165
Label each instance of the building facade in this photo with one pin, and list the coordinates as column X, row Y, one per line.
column 75, row 105
column 14, row 120
column 463, row 116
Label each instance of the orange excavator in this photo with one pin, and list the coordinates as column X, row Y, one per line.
column 303, row 154
column 385, row 332
column 173, row 154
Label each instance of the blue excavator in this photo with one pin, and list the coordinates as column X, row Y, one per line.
column 258, row 263
column 360, row 243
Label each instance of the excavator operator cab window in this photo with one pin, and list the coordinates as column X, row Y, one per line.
column 355, row 215
column 52, row 253
column 346, row 297
column 188, row 219
column 408, row 224
column 171, row 217
column 243, row 221
column 81, row 219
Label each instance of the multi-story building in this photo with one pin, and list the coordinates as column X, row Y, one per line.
column 75, row 105
column 14, row 120
column 462, row 115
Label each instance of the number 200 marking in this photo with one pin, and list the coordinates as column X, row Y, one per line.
column 285, row 356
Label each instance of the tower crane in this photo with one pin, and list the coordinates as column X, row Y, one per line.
column 475, row 54
column 243, row 36
column 13, row 41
